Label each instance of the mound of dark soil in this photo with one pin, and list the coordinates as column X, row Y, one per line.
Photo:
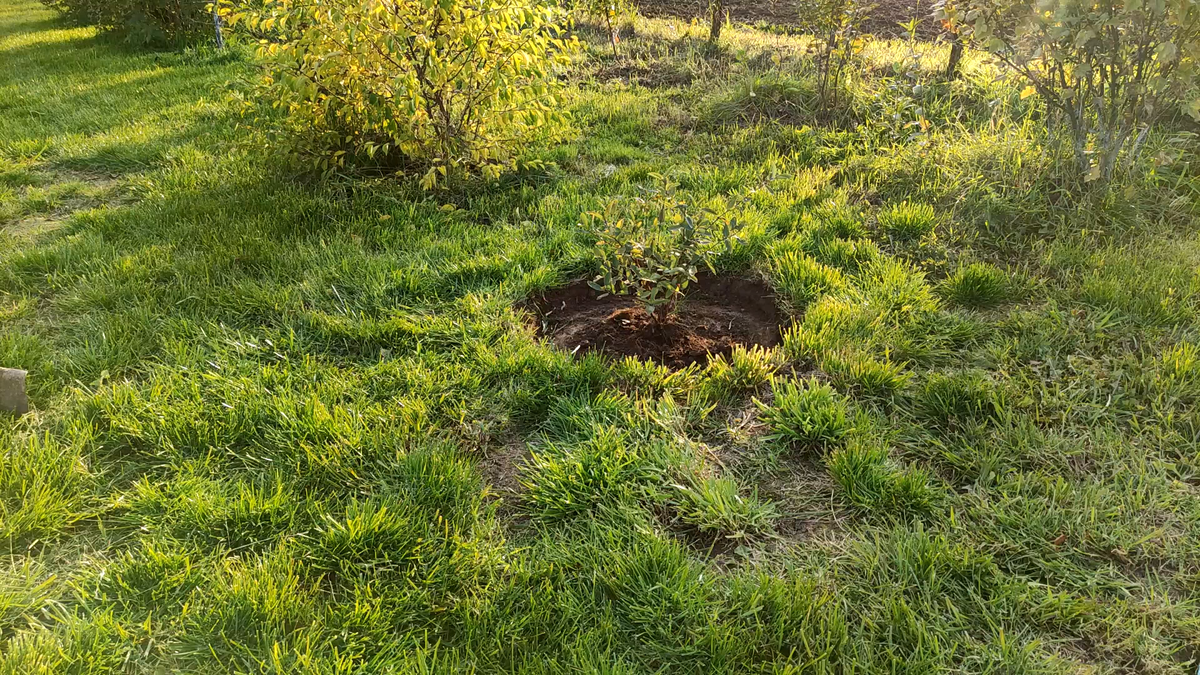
column 718, row 313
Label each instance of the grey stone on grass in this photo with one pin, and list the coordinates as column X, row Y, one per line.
column 12, row 391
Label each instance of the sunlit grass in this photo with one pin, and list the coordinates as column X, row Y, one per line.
column 292, row 423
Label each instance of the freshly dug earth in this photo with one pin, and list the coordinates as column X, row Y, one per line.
column 718, row 313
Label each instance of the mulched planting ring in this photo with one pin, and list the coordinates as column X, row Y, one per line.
column 718, row 313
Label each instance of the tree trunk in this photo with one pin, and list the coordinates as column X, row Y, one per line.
column 956, row 54
column 613, row 38
column 718, row 20
column 217, row 28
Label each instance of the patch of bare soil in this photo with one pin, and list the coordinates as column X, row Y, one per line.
column 882, row 21
column 717, row 314
column 31, row 227
column 501, row 467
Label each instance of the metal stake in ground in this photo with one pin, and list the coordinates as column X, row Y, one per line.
column 12, row 391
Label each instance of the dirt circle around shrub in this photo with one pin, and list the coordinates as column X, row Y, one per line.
column 717, row 313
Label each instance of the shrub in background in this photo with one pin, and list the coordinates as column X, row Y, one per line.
column 835, row 24
column 144, row 23
column 609, row 12
column 1107, row 69
column 447, row 87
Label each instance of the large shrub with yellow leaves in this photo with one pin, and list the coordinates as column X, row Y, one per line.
column 443, row 87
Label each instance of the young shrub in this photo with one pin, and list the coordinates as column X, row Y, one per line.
column 657, row 256
column 861, row 372
column 807, row 413
column 967, row 396
column 977, row 285
column 716, row 10
column 447, row 87
column 713, row 508
column 802, row 279
column 609, row 12
column 907, row 222
column 1106, row 70
column 143, row 23
column 743, row 370
column 835, row 23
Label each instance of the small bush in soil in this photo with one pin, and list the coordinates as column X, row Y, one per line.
column 654, row 257
column 143, row 23
column 907, row 221
column 714, row 508
column 966, row 396
column 976, row 285
column 447, row 88
column 808, row 413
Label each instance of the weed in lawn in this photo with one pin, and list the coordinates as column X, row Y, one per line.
column 977, row 285
column 865, row 374
column 806, row 413
column 907, row 221
column 742, row 371
column 715, row 510
column 801, row 279
column 961, row 397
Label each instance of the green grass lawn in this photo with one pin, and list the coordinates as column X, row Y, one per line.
column 291, row 424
